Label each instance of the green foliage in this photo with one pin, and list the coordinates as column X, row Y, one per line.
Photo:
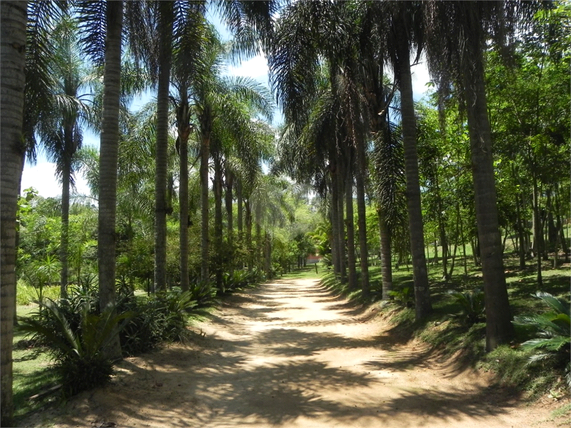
column 27, row 294
column 471, row 305
column 403, row 296
column 552, row 331
column 236, row 280
column 79, row 354
column 158, row 318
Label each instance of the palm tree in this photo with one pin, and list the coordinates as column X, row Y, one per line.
column 60, row 129
column 166, row 16
column 12, row 56
column 102, row 25
column 456, row 37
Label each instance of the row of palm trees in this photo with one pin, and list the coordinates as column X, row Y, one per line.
column 169, row 39
column 327, row 62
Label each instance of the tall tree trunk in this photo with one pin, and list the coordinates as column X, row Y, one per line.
column 386, row 256
column 217, row 185
column 165, row 54
column 12, row 57
column 64, row 239
column 248, row 238
column 499, row 329
column 362, row 216
column 421, row 291
column 342, row 256
column 228, row 197
column 205, row 240
column 183, row 135
column 335, row 259
column 108, row 163
column 350, row 225
column 537, row 234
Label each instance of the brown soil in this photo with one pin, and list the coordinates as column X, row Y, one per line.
column 290, row 354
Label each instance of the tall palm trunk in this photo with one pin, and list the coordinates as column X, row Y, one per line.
column 64, row 239
column 386, row 256
column 218, row 218
column 108, row 162
column 342, row 257
column 165, row 54
column 499, row 329
column 228, row 198
column 12, row 57
column 362, row 215
column 248, row 237
column 205, row 240
column 350, row 225
column 183, row 134
column 420, row 274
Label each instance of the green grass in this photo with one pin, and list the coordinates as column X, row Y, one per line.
column 32, row 372
column 307, row 272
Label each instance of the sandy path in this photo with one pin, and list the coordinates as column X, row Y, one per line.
column 290, row 354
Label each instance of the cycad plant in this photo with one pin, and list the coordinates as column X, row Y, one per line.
column 78, row 353
column 472, row 305
column 552, row 332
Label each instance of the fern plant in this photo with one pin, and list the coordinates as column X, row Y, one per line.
column 79, row 354
column 552, row 332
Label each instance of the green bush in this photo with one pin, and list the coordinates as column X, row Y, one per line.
column 158, row 318
column 551, row 331
column 79, row 353
column 472, row 305
column 403, row 296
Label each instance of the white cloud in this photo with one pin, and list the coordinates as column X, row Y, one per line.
column 42, row 178
column 420, row 77
column 256, row 68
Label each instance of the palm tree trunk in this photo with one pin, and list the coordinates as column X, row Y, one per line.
column 249, row 246
column 342, row 257
column 218, row 218
column 165, row 54
column 205, row 240
column 362, row 216
column 108, row 163
column 229, row 216
column 183, row 134
column 499, row 329
column 349, row 224
column 12, row 57
column 386, row 257
column 64, row 239
column 420, row 274
column 335, row 225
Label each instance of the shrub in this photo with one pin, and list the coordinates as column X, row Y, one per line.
column 552, row 331
column 79, row 353
column 472, row 305
column 403, row 296
column 162, row 317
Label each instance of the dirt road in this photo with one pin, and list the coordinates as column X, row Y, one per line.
column 290, row 354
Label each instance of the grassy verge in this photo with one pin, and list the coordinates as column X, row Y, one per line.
column 33, row 373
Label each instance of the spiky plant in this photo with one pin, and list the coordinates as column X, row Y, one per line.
column 79, row 354
column 552, row 330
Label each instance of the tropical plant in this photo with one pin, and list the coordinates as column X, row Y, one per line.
column 552, row 331
column 79, row 353
column 162, row 317
column 472, row 305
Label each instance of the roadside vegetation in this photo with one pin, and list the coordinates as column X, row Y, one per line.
column 448, row 209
